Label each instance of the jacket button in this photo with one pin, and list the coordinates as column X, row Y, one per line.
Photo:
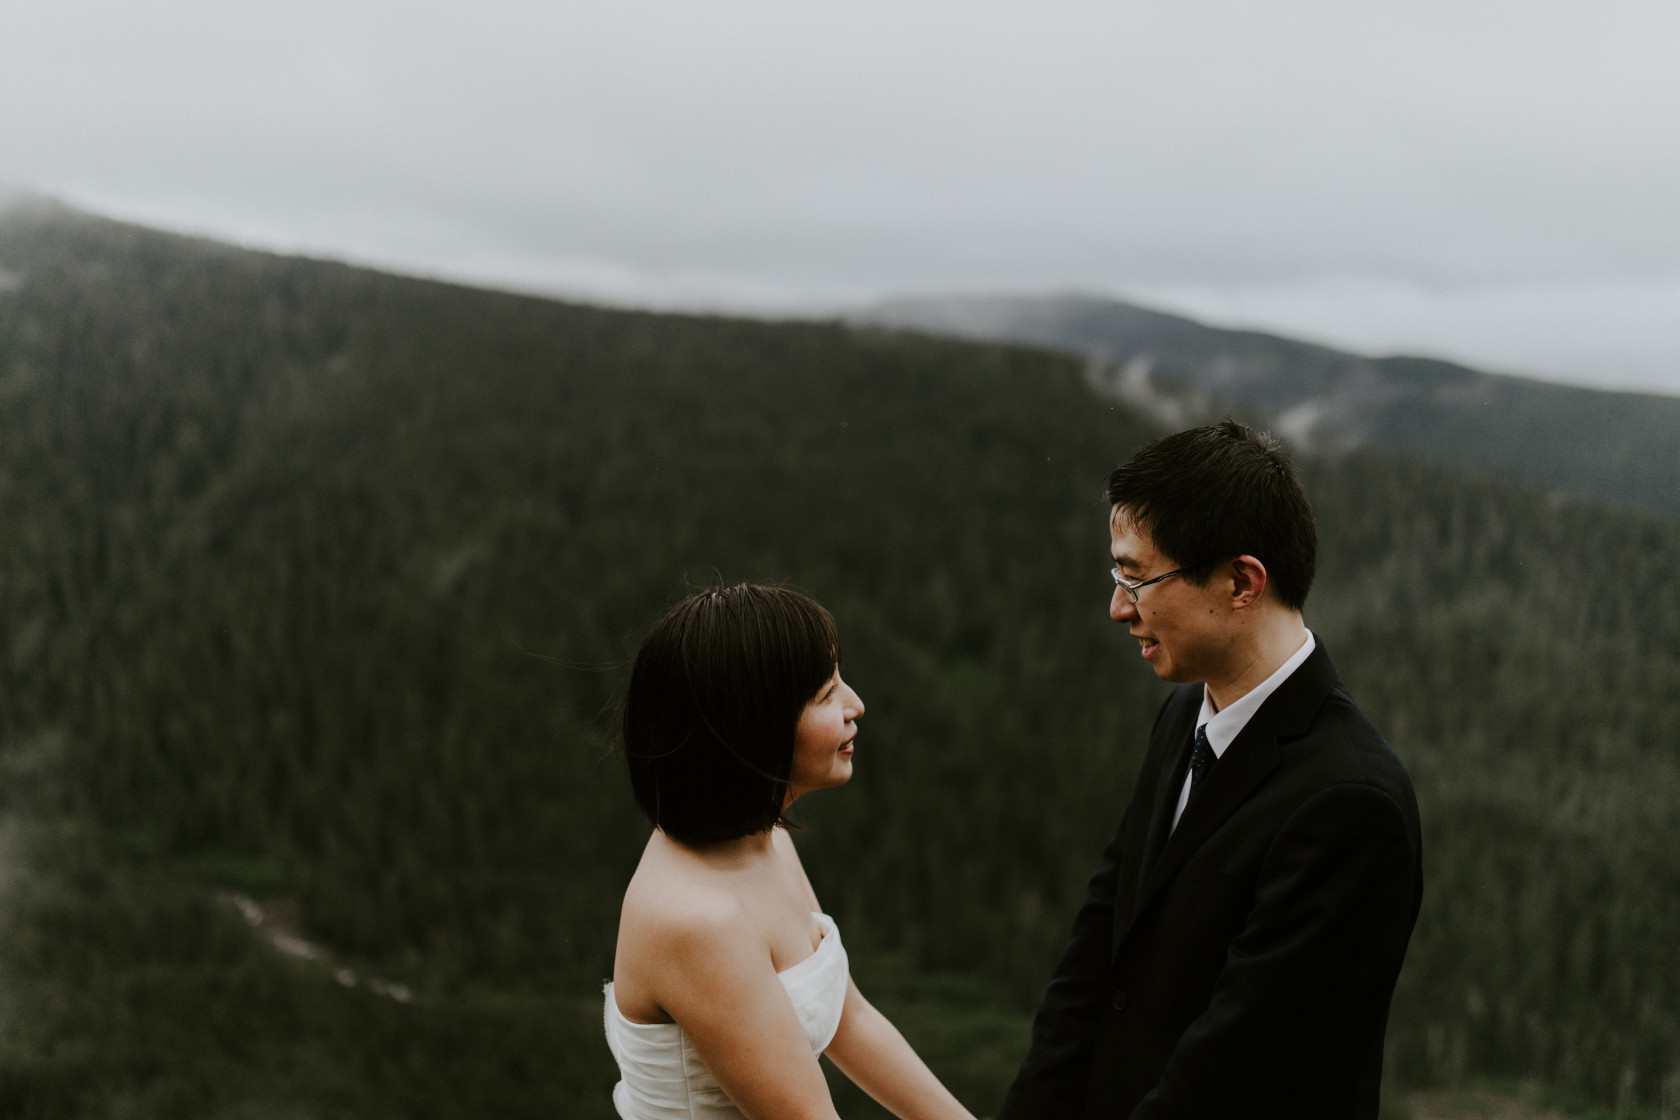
column 1117, row 1000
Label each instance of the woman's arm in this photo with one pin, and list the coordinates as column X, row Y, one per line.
column 716, row 980
column 869, row 1050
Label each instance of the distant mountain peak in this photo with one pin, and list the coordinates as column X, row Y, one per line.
column 21, row 205
column 1597, row 443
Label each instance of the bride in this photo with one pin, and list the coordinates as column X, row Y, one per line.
column 728, row 980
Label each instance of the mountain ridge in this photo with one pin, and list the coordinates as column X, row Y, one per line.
column 1609, row 445
column 283, row 536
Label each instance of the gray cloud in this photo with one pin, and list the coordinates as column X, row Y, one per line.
column 1452, row 178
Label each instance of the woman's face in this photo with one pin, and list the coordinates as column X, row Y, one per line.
column 822, row 746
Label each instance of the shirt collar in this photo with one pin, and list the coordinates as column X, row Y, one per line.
column 1223, row 727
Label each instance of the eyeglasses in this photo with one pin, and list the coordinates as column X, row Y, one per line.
column 1132, row 589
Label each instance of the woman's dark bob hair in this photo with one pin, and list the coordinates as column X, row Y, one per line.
column 713, row 708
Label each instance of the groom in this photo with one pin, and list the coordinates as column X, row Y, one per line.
column 1239, row 941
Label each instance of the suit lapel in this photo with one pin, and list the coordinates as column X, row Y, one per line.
column 1252, row 755
column 1246, row 762
column 1166, row 793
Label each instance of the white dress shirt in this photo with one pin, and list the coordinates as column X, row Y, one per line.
column 1223, row 727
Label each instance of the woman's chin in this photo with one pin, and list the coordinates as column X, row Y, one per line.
column 842, row 772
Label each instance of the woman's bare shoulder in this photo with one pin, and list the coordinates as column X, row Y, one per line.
column 676, row 927
column 672, row 905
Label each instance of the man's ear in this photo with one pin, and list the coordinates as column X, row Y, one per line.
column 1248, row 581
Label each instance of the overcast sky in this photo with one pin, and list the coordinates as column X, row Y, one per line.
column 1495, row 182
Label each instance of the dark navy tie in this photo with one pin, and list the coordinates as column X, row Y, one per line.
column 1201, row 759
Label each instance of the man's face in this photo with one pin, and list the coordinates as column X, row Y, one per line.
column 1183, row 630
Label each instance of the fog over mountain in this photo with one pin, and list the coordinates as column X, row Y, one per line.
column 1487, row 183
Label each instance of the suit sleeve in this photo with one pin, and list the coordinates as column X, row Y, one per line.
column 1051, row 1083
column 1308, row 978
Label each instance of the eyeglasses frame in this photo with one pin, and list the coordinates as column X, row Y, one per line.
column 1132, row 589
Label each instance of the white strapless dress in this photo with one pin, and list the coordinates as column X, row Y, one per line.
column 662, row 1078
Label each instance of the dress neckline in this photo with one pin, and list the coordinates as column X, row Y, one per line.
column 827, row 924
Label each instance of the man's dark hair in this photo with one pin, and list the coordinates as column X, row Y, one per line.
column 1209, row 494
column 713, row 708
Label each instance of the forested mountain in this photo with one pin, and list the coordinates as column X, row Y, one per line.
column 318, row 585
column 1622, row 448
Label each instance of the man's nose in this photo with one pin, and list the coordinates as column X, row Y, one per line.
column 1121, row 608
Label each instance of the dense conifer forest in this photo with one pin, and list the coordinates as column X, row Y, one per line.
column 317, row 587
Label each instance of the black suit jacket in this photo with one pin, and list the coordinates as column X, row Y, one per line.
column 1242, row 964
